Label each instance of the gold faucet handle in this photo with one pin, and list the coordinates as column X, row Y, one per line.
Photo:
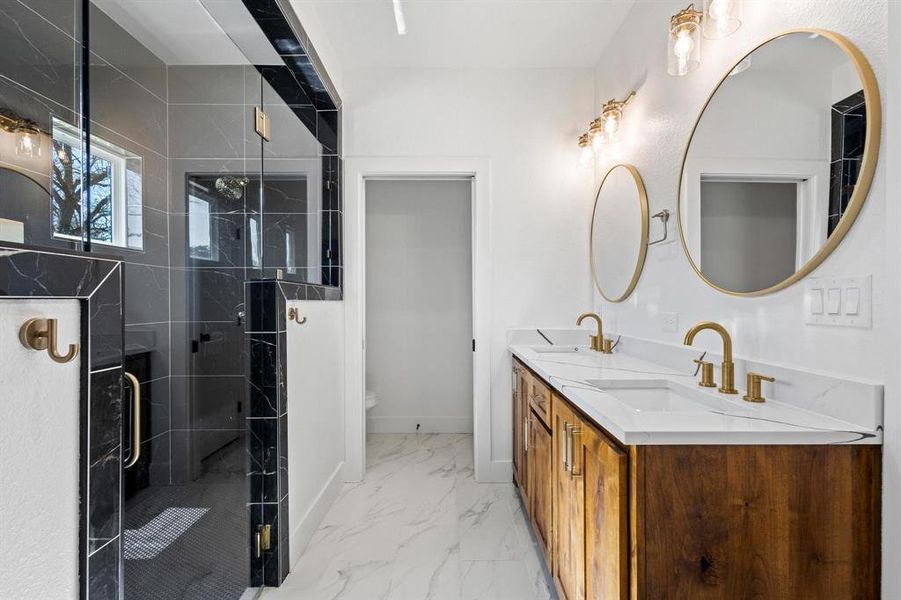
column 754, row 392
column 706, row 369
column 607, row 346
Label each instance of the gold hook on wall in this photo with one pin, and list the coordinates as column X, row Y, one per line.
column 294, row 315
column 40, row 334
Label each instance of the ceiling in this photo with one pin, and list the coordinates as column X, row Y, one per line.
column 470, row 33
column 193, row 32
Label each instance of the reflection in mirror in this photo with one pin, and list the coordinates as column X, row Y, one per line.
column 779, row 163
column 619, row 233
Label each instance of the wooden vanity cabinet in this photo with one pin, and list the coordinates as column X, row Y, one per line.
column 541, row 485
column 521, row 385
column 705, row 522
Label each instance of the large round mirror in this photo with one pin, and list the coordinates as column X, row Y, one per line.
column 780, row 162
column 619, row 233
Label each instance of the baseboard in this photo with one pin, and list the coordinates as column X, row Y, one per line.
column 499, row 471
column 426, row 424
column 303, row 531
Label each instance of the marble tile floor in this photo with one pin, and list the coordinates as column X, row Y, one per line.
column 419, row 527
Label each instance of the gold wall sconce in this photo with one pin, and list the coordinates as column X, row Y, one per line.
column 27, row 132
column 612, row 116
column 40, row 334
column 603, row 129
column 719, row 19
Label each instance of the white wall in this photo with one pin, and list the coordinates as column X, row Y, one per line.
column 891, row 457
column 315, row 416
column 40, row 411
column 419, row 305
column 525, row 122
column 654, row 134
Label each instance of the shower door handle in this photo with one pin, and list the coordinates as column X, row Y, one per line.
column 135, row 420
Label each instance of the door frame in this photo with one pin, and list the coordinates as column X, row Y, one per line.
column 357, row 171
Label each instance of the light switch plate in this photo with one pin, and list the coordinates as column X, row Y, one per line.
column 838, row 301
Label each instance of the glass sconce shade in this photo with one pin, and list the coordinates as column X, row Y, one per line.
column 721, row 18
column 28, row 143
column 684, row 42
column 585, row 144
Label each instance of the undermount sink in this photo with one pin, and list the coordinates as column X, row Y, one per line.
column 558, row 349
column 663, row 396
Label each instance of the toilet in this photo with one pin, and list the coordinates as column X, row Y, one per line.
column 371, row 399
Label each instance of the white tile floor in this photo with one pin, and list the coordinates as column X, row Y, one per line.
column 420, row 528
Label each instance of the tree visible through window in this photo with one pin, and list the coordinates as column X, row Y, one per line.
column 113, row 177
column 68, row 177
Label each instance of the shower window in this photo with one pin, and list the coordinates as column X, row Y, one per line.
column 114, row 177
column 200, row 231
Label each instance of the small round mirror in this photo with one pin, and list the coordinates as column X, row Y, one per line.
column 619, row 233
column 779, row 163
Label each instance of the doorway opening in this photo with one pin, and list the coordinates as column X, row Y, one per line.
column 418, row 363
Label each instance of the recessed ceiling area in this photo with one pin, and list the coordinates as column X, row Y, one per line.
column 193, row 32
column 470, row 33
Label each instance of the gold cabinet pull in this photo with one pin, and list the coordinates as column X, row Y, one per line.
column 135, row 420
column 572, row 452
column 294, row 315
column 40, row 334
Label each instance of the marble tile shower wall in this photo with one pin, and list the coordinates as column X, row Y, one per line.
column 211, row 136
column 128, row 99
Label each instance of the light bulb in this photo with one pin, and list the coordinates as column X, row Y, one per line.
column 719, row 11
column 611, row 124
column 683, row 48
column 586, row 156
column 28, row 144
column 596, row 142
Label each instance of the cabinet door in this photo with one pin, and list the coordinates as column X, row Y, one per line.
column 604, row 469
column 518, row 437
column 569, row 545
column 541, row 485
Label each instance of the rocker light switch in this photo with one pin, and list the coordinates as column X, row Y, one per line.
column 816, row 301
column 852, row 301
column 834, row 301
column 838, row 301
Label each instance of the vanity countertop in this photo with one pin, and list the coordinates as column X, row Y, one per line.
column 717, row 419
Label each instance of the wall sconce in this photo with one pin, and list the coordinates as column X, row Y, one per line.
column 585, row 145
column 603, row 129
column 685, row 41
column 28, row 134
column 596, row 134
column 722, row 18
column 612, row 115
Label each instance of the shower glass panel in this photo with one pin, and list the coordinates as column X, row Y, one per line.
column 41, row 175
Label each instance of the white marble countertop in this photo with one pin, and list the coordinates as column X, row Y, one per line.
column 719, row 418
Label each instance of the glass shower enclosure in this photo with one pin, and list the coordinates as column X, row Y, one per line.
column 132, row 130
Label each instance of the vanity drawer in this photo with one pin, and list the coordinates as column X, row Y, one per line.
column 540, row 400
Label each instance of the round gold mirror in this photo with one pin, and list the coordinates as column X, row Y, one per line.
column 779, row 163
column 619, row 233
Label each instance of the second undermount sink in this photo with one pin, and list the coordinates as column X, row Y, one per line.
column 663, row 396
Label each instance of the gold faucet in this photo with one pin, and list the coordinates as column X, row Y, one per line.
column 727, row 385
column 598, row 342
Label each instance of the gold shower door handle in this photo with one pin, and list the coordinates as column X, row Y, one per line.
column 135, row 420
column 40, row 334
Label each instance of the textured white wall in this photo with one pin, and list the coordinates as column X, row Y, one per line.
column 39, row 410
column 655, row 132
column 419, row 305
column 526, row 123
column 315, row 416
